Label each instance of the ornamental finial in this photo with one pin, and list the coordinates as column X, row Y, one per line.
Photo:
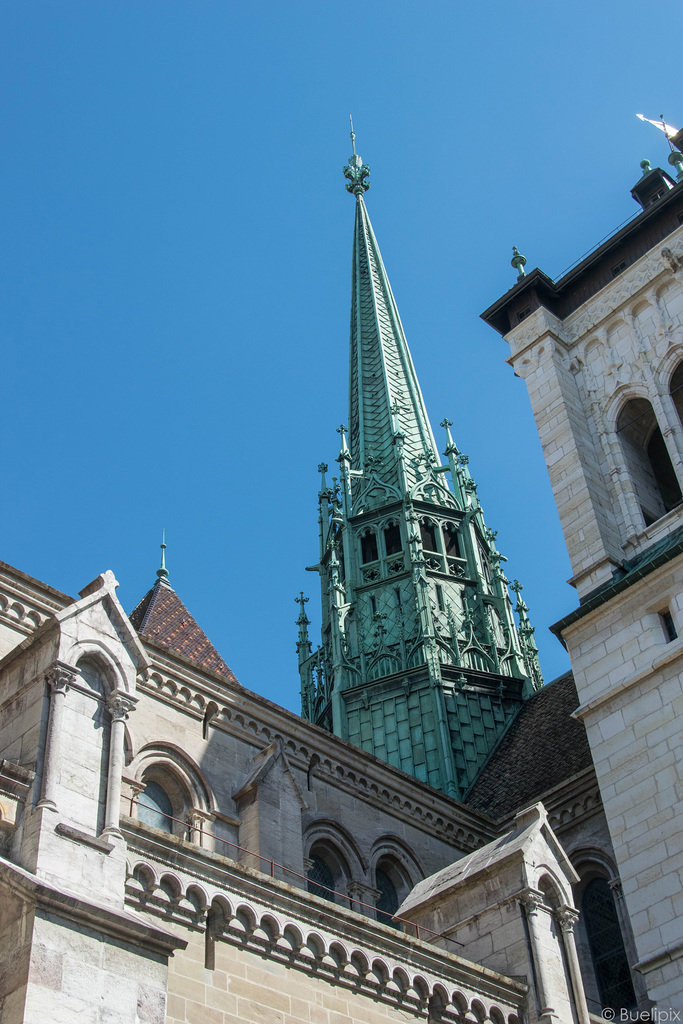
column 162, row 572
column 518, row 262
column 356, row 171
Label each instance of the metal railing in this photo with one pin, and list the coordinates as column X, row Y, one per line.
column 419, row 929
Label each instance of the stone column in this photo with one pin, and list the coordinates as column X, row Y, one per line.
column 359, row 893
column 119, row 706
column 531, row 901
column 58, row 679
column 567, row 918
column 197, row 822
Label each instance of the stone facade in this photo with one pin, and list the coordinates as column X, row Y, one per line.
column 175, row 848
column 601, row 352
column 213, row 916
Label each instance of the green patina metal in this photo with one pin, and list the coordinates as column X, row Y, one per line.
column 421, row 661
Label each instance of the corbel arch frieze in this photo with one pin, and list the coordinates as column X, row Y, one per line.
column 639, row 304
column 320, row 949
column 535, row 353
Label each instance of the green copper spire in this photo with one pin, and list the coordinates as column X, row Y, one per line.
column 421, row 660
column 162, row 572
column 391, row 445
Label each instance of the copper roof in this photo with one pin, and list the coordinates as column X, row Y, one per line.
column 162, row 618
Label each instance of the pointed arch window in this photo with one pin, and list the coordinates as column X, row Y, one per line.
column 392, row 539
column 648, row 460
column 368, row 547
column 451, row 541
column 428, row 535
column 393, row 885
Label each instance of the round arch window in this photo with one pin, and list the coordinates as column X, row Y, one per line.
column 387, row 902
column 155, row 807
column 612, row 972
column 320, row 879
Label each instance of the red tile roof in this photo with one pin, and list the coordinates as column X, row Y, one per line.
column 162, row 618
column 543, row 747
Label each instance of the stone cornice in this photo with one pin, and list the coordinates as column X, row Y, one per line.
column 25, row 603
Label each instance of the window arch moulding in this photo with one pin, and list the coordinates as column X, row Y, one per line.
column 647, row 459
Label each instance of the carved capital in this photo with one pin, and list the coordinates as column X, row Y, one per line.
column 59, row 678
column 119, row 705
column 617, row 889
column 531, row 900
column 567, row 918
column 358, row 892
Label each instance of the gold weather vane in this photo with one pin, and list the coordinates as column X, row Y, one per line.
column 668, row 129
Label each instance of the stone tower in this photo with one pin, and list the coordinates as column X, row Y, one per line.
column 601, row 351
column 421, row 661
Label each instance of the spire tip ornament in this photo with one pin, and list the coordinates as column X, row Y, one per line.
column 356, row 171
column 162, row 571
column 518, row 262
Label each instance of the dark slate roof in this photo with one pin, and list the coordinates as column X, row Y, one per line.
column 543, row 747
column 162, row 618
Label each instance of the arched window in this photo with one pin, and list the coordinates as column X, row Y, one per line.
column 368, row 547
column 392, row 539
column 155, row 807
column 428, row 535
column 320, row 879
column 676, row 389
column 610, row 965
column 393, row 885
column 648, row 461
column 387, row 901
column 451, row 541
column 86, row 718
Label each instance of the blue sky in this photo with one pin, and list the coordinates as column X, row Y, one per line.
column 175, row 260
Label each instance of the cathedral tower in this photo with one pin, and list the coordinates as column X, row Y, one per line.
column 601, row 352
column 421, row 661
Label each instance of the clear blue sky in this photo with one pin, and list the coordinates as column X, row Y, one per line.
column 175, row 244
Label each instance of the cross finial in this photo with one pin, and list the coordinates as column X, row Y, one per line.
column 353, row 136
column 162, row 572
column 341, row 430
